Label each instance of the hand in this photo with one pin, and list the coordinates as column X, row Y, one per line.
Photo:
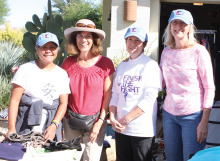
column 49, row 133
column 123, row 122
column 117, row 125
column 14, row 69
column 202, row 132
column 94, row 133
column 10, row 132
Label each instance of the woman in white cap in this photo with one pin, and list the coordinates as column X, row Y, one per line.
column 91, row 76
column 188, row 76
column 133, row 106
column 39, row 93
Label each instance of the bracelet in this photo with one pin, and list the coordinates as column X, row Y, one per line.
column 102, row 119
column 56, row 123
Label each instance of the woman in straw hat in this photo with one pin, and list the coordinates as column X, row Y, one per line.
column 188, row 75
column 91, row 77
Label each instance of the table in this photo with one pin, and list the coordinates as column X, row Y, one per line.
column 64, row 155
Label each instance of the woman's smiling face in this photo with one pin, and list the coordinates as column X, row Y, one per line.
column 134, row 46
column 179, row 29
column 48, row 52
column 84, row 41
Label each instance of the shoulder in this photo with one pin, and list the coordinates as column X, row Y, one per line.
column 61, row 70
column 167, row 48
column 151, row 62
column 166, row 51
column 28, row 66
column 200, row 50
column 70, row 59
column 68, row 62
column 106, row 62
column 30, row 63
column 106, row 65
column 200, row 47
column 146, row 60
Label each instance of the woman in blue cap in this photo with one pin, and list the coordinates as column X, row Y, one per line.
column 133, row 106
column 39, row 93
column 188, row 76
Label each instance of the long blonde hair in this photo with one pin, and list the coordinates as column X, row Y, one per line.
column 169, row 40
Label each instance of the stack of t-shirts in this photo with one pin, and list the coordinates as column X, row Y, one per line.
column 34, row 139
column 11, row 151
column 68, row 144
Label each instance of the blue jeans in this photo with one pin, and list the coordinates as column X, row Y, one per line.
column 180, row 136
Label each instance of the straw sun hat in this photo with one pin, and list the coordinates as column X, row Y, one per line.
column 84, row 25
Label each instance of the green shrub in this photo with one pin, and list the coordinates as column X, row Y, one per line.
column 117, row 59
column 5, row 92
column 10, row 55
column 9, row 34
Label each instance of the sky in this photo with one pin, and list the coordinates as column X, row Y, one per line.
column 22, row 11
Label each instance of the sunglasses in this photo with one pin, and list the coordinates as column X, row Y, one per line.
column 87, row 26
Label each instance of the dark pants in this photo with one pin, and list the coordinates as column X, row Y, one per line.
column 132, row 148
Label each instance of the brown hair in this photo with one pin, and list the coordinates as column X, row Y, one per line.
column 144, row 43
column 72, row 48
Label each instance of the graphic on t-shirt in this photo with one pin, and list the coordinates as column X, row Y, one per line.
column 48, row 91
column 128, row 86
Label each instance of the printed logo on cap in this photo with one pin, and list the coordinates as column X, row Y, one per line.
column 179, row 12
column 47, row 36
column 133, row 30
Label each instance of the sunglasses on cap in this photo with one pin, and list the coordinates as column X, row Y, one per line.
column 84, row 25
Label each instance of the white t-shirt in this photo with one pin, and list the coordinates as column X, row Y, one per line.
column 42, row 85
column 136, row 83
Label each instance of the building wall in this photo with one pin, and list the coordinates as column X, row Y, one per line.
column 118, row 26
column 148, row 17
column 106, row 24
column 153, row 44
column 193, row 1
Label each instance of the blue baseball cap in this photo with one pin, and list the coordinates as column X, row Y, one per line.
column 138, row 32
column 45, row 38
column 182, row 15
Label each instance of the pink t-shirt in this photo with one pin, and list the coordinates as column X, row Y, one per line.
column 87, row 84
column 188, row 76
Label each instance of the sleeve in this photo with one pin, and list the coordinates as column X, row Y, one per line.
column 109, row 67
column 206, row 74
column 65, row 83
column 64, row 65
column 149, row 99
column 161, row 64
column 115, row 95
column 20, row 77
column 153, row 84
